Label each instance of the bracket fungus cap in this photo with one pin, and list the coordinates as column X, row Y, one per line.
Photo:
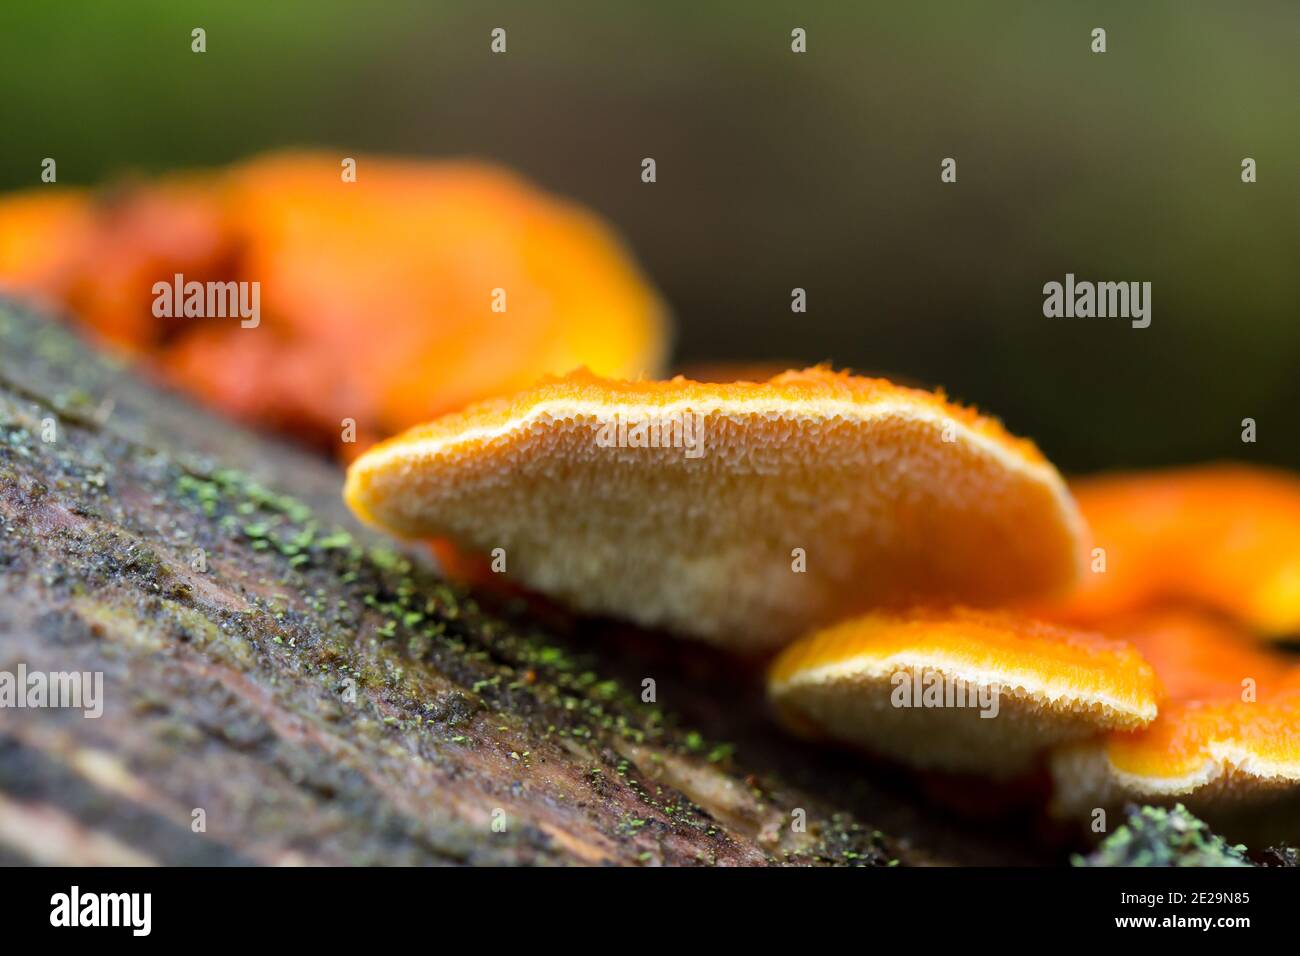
column 803, row 499
column 960, row 690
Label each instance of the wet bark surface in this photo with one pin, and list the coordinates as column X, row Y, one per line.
column 282, row 685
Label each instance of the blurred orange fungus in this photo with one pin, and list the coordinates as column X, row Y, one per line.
column 1225, row 537
column 418, row 288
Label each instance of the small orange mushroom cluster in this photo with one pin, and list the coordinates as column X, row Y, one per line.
column 1194, row 566
column 413, row 290
column 1223, row 732
column 905, row 507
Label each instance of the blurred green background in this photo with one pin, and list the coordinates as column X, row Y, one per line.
column 779, row 170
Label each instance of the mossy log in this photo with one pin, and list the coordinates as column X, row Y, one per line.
column 281, row 685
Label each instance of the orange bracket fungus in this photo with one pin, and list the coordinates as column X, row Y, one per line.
column 1227, row 735
column 740, row 513
column 411, row 290
column 1223, row 536
column 960, row 690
